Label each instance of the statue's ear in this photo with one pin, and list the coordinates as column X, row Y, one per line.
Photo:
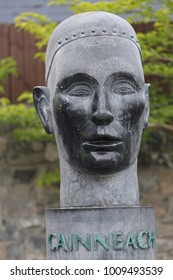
column 41, row 100
column 147, row 105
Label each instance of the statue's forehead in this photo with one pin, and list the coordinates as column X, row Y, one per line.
column 86, row 25
column 98, row 58
column 94, row 50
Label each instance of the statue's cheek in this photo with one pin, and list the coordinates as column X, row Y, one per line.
column 62, row 108
column 132, row 111
column 70, row 114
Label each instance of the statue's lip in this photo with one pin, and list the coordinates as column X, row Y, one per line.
column 102, row 143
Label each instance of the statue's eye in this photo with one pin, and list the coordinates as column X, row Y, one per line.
column 79, row 90
column 123, row 88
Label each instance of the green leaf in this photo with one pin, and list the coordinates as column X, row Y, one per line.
column 7, row 67
column 48, row 179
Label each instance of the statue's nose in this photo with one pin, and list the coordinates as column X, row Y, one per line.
column 102, row 114
column 102, row 117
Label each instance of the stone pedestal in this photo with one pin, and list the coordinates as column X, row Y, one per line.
column 100, row 233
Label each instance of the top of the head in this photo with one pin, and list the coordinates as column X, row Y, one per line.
column 87, row 25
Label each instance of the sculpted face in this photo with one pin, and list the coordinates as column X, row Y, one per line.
column 98, row 103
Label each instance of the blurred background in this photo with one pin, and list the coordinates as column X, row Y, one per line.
column 29, row 167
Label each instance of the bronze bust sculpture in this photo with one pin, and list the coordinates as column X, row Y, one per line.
column 96, row 104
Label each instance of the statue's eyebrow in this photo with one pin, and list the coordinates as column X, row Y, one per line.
column 122, row 75
column 76, row 78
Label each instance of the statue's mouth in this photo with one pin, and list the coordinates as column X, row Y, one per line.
column 102, row 144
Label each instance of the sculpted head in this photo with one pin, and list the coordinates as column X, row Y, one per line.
column 96, row 100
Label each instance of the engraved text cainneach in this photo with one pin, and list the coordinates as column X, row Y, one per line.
column 91, row 242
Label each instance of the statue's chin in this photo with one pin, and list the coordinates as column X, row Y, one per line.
column 101, row 163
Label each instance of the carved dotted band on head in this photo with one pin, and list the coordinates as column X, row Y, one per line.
column 88, row 33
column 82, row 34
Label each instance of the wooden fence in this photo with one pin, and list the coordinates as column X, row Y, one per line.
column 21, row 46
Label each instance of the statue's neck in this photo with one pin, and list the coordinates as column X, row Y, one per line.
column 82, row 190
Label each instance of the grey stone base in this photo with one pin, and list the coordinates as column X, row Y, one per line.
column 100, row 233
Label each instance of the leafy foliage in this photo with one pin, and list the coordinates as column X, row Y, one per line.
column 49, row 179
column 38, row 25
column 22, row 119
column 140, row 9
column 7, row 66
